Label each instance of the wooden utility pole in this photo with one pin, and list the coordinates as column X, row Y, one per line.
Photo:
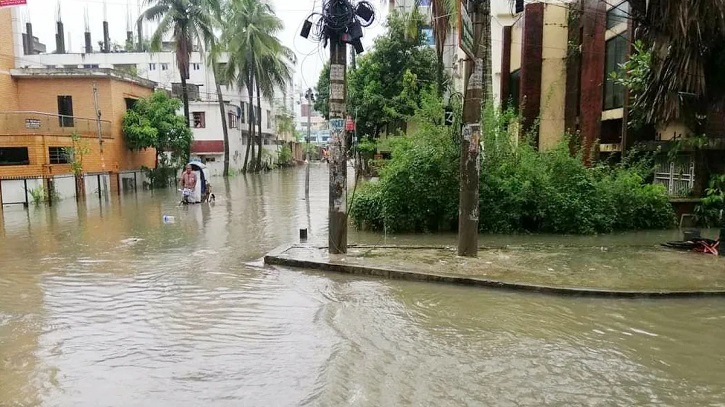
column 476, row 92
column 337, row 228
column 100, row 137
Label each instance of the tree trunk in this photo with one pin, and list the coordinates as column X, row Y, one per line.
column 439, row 72
column 259, row 128
column 225, row 130
column 250, row 134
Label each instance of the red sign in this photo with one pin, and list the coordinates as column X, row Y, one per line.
column 8, row 3
column 349, row 124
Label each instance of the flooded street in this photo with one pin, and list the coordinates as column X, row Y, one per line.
column 107, row 305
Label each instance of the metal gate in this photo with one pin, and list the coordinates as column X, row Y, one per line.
column 677, row 176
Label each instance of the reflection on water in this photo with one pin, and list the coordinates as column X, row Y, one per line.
column 108, row 305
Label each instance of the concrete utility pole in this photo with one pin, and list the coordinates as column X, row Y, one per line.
column 338, row 164
column 468, row 211
column 310, row 98
column 100, row 136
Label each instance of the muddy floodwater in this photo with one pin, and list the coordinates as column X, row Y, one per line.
column 105, row 304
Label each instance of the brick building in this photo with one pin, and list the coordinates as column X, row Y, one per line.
column 41, row 108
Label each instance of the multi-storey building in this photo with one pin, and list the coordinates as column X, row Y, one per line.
column 502, row 14
column 40, row 110
column 161, row 68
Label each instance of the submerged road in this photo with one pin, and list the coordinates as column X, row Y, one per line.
column 107, row 305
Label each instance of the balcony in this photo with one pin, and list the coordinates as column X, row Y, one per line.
column 45, row 124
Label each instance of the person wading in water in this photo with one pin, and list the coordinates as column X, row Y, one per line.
column 188, row 183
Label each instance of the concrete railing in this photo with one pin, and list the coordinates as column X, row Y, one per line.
column 45, row 124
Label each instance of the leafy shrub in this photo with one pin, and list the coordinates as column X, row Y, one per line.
column 284, row 156
column 520, row 189
column 708, row 212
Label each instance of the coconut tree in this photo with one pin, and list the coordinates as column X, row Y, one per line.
column 272, row 72
column 213, row 61
column 257, row 59
column 239, row 71
column 443, row 22
column 686, row 39
column 190, row 22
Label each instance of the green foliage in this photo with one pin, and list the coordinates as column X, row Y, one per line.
column 418, row 188
column 40, row 195
column 76, row 152
column 521, row 189
column 285, row 123
column 153, row 123
column 635, row 75
column 709, row 212
column 385, row 88
column 322, row 92
column 284, row 156
column 367, row 146
column 161, row 177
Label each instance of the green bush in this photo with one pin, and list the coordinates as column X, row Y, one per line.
column 521, row 189
column 284, row 156
column 708, row 212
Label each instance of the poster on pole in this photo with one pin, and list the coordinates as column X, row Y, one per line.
column 11, row 3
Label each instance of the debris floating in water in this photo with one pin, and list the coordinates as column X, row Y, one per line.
column 169, row 219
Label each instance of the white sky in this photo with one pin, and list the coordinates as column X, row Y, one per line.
column 292, row 12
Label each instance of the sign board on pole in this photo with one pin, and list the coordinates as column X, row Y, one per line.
column 10, row 3
column 465, row 29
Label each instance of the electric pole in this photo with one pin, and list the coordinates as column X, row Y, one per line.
column 468, row 212
column 338, row 164
column 310, row 98
column 343, row 24
column 100, row 137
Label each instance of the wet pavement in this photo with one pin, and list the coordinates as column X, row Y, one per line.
column 107, row 305
column 622, row 269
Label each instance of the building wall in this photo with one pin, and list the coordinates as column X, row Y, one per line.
column 531, row 50
column 553, row 75
column 594, row 24
column 40, row 95
column 9, row 99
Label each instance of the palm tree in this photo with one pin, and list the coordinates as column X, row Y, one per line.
column 273, row 72
column 687, row 43
column 213, row 61
column 443, row 16
column 190, row 22
column 238, row 71
column 257, row 59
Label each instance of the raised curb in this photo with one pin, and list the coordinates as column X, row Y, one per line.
column 278, row 258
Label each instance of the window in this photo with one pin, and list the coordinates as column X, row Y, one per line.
column 269, row 119
column 616, row 54
column 199, row 120
column 90, row 66
column 152, row 67
column 242, row 119
column 232, row 119
column 65, row 111
column 164, row 67
column 130, row 102
column 617, row 15
column 14, row 156
column 514, row 89
column 196, row 66
column 59, row 155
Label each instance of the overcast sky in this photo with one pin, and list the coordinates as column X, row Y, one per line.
column 292, row 12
